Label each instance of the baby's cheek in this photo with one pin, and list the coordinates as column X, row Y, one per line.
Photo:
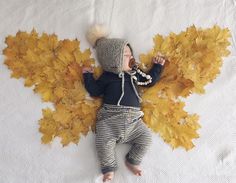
column 126, row 61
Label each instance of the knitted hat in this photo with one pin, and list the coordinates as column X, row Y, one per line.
column 110, row 52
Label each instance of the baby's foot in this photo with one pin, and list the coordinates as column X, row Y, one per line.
column 108, row 176
column 133, row 168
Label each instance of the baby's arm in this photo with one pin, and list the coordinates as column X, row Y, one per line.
column 154, row 72
column 94, row 87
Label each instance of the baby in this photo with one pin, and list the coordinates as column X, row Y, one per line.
column 119, row 120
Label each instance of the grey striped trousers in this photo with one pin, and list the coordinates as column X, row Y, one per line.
column 120, row 124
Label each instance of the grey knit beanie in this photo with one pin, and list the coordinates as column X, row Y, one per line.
column 109, row 50
column 110, row 53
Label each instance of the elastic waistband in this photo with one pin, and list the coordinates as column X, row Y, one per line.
column 121, row 107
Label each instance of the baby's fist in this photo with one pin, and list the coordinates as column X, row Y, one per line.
column 88, row 69
column 159, row 59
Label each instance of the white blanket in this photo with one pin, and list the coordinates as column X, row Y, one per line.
column 23, row 159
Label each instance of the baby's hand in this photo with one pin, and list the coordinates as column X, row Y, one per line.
column 88, row 69
column 159, row 59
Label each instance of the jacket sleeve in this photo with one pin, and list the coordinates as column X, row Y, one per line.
column 154, row 72
column 94, row 87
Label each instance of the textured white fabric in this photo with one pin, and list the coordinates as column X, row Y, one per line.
column 22, row 157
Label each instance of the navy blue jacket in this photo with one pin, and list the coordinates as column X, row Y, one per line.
column 108, row 85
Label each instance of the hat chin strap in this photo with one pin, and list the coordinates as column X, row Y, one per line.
column 121, row 75
column 131, row 78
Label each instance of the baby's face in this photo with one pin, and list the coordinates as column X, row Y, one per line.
column 127, row 57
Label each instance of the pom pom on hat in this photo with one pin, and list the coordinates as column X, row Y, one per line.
column 96, row 32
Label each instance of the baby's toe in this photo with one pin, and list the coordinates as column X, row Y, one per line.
column 108, row 176
column 139, row 173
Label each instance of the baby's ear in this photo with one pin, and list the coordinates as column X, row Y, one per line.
column 96, row 32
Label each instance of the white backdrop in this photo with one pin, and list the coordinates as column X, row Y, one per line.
column 23, row 159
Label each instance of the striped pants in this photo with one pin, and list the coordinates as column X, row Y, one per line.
column 120, row 124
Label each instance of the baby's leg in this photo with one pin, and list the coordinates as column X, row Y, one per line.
column 106, row 154
column 109, row 127
column 139, row 148
column 140, row 138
